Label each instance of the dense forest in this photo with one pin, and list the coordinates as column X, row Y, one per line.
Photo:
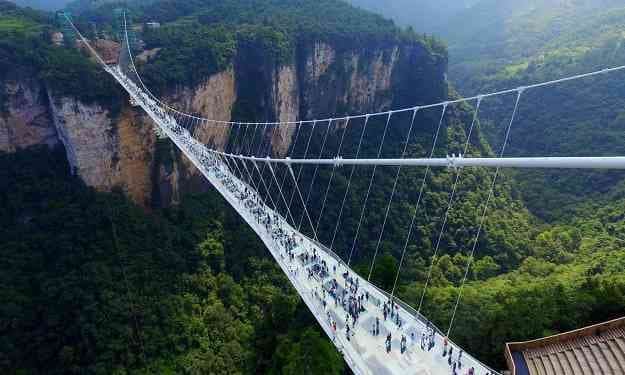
column 94, row 284
column 91, row 283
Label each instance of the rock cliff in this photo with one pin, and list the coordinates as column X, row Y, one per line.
column 25, row 119
column 120, row 149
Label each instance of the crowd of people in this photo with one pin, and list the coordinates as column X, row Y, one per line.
column 346, row 295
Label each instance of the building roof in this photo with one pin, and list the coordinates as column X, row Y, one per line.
column 596, row 349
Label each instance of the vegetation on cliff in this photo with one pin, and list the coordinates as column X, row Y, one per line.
column 25, row 45
column 202, row 37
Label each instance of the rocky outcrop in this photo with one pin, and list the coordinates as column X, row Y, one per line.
column 358, row 80
column 25, row 119
column 325, row 82
column 134, row 155
column 86, row 133
column 105, row 152
column 120, row 150
column 213, row 99
column 287, row 106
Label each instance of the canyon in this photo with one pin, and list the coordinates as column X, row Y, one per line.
column 117, row 148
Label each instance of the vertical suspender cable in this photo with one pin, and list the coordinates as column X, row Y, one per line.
column 288, row 210
column 364, row 205
column 449, row 206
column 243, row 141
column 390, row 201
column 249, row 150
column 286, row 171
column 281, row 195
column 290, row 151
column 268, row 154
column 299, row 173
column 421, row 190
column 262, row 180
column 325, row 196
column 312, row 181
column 312, row 227
column 262, row 135
column 349, row 182
column 483, row 216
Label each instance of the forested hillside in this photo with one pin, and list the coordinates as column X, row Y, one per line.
column 544, row 40
column 93, row 284
column 502, row 44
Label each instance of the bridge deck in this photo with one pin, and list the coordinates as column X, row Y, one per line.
column 364, row 352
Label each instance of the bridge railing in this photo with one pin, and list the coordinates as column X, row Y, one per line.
column 409, row 309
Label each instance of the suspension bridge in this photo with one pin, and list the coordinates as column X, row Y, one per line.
column 375, row 331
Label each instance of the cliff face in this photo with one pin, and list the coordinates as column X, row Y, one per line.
column 26, row 118
column 105, row 151
column 121, row 150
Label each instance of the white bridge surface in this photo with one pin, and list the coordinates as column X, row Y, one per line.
column 363, row 352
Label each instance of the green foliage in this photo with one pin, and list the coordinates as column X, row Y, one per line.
column 68, row 73
column 499, row 44
column 300, row 353
column 302, row 20
column 575, row 278
column 25, row 47
column 545, row 41
column 189, row 53
column 92, row 284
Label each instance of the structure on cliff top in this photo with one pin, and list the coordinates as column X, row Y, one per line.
column 594, row 350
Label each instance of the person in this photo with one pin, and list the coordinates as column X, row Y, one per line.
column 377, row 326
column 445, row 347
column 460, row 359
column 451, row 349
